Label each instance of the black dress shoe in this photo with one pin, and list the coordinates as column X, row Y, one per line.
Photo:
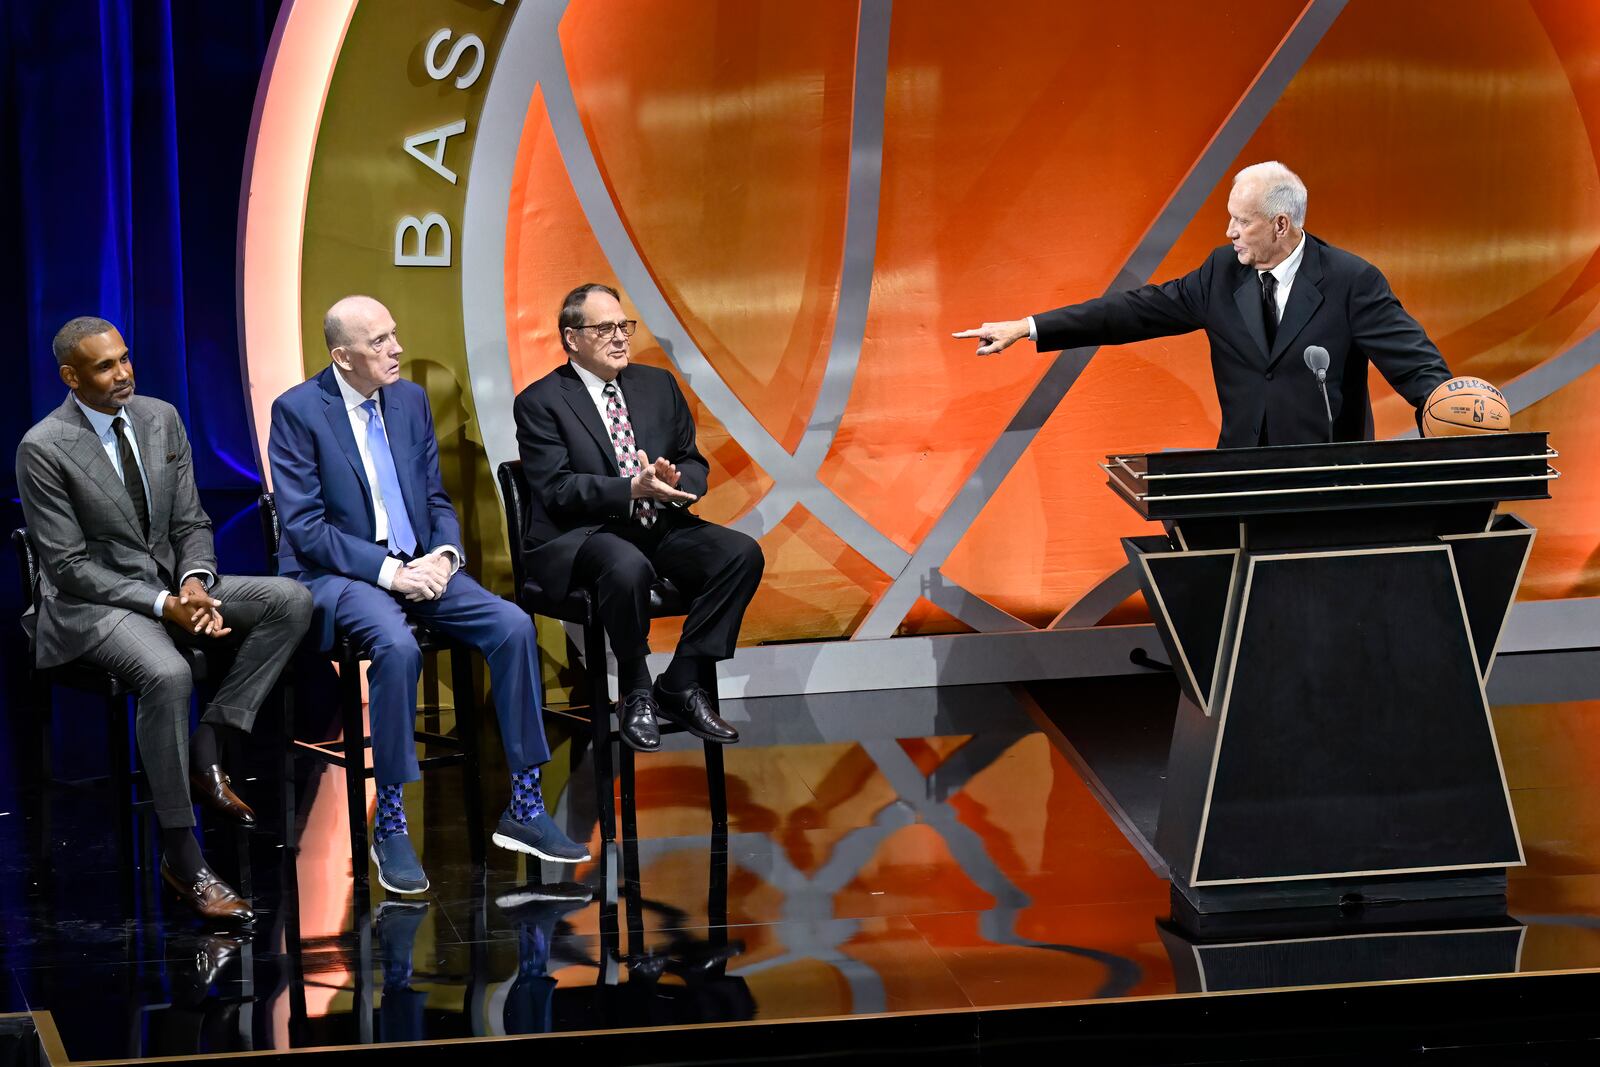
column 693, row 711
column 212, row 787
column 208, row 895
column 636, row 721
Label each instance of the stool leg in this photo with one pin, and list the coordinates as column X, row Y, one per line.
column 467, row 729
column 117, row 709
column 716, row 788
column 291, row 839
column 594, row 671
column 355, row 764
column 630, row 810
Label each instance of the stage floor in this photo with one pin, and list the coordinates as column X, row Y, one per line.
column 887, row 852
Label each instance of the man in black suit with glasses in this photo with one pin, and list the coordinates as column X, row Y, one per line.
column 611, row 467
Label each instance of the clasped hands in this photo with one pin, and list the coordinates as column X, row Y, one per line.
column 195, row 610
column 658, row 481
column 424, row 578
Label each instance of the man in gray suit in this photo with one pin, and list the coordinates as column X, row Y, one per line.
column 128, row 572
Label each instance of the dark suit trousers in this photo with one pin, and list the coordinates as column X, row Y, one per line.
column 268, row 617
column 376, row 621
column 716, row 569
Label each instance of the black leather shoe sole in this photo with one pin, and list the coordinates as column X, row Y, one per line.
column 704, row 735
column 637, row 745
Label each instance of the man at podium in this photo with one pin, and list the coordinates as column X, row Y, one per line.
column 1265, row 298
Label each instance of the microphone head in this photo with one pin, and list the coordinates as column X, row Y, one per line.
column 1317, row 359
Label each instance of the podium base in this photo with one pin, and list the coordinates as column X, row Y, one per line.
column 1339, row 892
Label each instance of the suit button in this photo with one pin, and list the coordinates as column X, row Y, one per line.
column 1269, row 376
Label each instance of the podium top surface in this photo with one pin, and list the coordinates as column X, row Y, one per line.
column 1229, row 482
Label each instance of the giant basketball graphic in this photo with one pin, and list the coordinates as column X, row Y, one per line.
column 801, row 200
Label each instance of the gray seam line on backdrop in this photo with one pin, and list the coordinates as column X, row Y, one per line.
column 1523, row 391
column 533, row 47
column 855, row 274
column 1158, row 240
column 534, row 43
column 606, row 223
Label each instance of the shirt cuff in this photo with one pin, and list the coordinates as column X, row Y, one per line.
column 453, row 552
column 161, row 603
column 205, row 576
column 1033, row 330
column 386, row 573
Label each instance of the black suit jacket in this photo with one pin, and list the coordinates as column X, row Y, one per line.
column 1338, row 301
column 569, row 465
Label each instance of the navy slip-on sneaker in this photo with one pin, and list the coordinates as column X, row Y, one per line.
column 539, row 837
column 399, row 870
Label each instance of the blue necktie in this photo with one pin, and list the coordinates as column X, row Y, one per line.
column 401, row 536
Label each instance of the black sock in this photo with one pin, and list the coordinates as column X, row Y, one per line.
column 181, row 851
column 203, row 747
column 631, row 675
column 682, row 674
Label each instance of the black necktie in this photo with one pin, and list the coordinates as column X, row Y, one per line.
column 130, row 475
column 1269, row 307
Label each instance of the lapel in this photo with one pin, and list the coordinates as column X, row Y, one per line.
column 1304, row 298
column 152, row 452
column 576, row 394
column 339, row 422
column 84, row 447
column 1248, row 299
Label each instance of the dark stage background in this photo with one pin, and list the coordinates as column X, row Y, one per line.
column 122, row 135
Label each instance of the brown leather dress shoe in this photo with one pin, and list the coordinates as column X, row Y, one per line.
column 209, row 895
column 212, row 787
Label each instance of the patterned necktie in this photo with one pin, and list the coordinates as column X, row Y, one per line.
column 401, row 536
column 130, row 475
column 1269, row 307
column 621, row 431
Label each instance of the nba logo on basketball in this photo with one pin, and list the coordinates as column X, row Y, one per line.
column 1465, row 405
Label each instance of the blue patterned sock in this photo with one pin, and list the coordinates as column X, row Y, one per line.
column 390, row 818
column 526, row 800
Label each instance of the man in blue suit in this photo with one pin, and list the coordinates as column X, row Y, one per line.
column 368, row 527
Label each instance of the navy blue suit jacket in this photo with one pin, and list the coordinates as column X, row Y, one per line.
column 1338, row 301
column 324, row 501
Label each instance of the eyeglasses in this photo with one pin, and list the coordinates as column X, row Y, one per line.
column 606, row 330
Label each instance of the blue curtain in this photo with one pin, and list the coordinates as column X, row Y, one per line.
column 122, row 135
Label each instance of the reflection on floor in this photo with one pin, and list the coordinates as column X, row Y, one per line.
column 885, row 852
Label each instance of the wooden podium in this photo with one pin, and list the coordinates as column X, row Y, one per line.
column 1332, row 613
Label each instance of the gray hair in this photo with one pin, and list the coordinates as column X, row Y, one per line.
column 1281, row 192
column 69, row 336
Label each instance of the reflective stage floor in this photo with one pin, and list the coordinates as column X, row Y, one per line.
column 886, row 852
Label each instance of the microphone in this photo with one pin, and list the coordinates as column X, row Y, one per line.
column 1316, row 358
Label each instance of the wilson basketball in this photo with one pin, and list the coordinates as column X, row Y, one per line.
column 1465, row 405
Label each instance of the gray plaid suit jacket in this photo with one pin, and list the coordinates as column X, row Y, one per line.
column 95, row 565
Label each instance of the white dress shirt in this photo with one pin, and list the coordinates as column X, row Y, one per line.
column 596, row 387
column 104, row 427
column 1284, row 272
column 380, row 515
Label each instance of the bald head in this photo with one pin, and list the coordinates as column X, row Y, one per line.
column 342, row 320
column 363, row 343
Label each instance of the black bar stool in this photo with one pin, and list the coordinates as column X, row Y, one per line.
column 582, row 607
